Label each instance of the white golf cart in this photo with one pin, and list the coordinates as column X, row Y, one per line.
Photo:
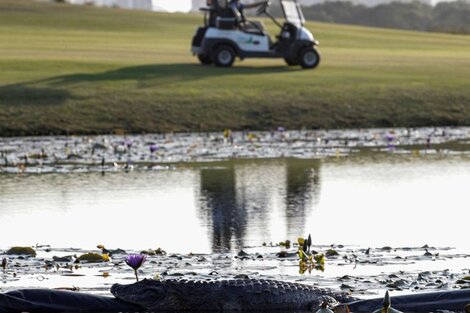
column 227, row 34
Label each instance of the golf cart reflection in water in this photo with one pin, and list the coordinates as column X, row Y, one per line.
column 227, row 34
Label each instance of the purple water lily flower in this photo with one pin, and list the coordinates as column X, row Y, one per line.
column 135, row 261
column 153, row 148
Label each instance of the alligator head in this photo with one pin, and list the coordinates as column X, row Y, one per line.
column 179, row 295
column 146, row 293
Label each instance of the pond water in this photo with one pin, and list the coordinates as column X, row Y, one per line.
column 219, row 205
column 367, row 200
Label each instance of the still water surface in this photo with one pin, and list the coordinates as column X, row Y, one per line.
column 214, row 207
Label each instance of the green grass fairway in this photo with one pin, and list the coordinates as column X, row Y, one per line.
column 77, row 69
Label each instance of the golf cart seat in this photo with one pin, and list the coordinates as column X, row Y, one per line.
column 222, row 14
column 253, row 27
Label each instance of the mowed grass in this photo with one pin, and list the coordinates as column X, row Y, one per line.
column 83, row 70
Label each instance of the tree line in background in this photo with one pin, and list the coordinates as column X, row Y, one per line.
column 448, row 17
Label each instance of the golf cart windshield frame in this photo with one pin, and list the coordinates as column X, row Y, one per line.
column 293, row 12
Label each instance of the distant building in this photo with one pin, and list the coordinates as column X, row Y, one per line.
column 147, row 5
column 133, row 4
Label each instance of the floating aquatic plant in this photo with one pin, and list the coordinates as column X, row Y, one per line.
column 21, row 251
column 153, row 148
column 309, row 259
column 94, row 257
column 135, row 261
column 160, row 251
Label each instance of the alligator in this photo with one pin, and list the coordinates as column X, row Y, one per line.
column 218, row 296
column 226, row 295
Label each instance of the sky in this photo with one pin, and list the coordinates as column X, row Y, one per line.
column 174, row 5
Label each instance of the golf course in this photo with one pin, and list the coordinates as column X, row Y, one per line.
column 68, row 69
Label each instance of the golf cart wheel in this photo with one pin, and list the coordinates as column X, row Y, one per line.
column 204, row 59
column 223, row 56
column 291, row 62
column 309, row 58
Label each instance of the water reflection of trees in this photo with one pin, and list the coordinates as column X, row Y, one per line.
column 219, row 204
column 302, row 192
column 238, row 200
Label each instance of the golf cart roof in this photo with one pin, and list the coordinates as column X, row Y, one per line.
column 293, row 12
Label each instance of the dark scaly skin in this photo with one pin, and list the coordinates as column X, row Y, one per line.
column 225, row 295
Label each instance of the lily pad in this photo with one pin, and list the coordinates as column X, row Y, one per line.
column 160, row 251
column 331, row 253
column 73, row 275
column 92, row 257
column 64, row 259
column 21, row 251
